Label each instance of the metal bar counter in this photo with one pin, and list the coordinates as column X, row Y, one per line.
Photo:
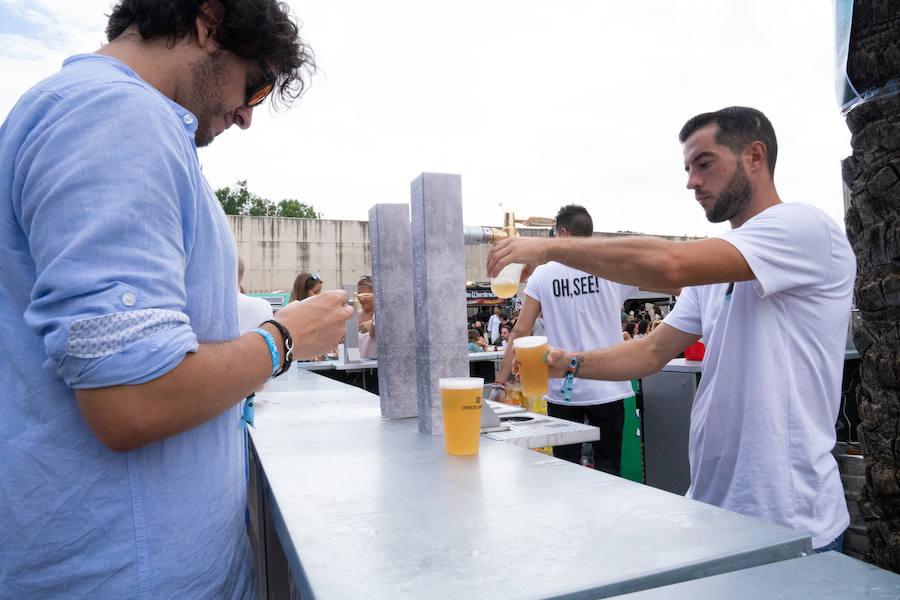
column 826, row 576
column 371, row 363
column 370, row 508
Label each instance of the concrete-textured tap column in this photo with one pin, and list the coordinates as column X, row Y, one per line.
column 439, row 278
column 392, row 268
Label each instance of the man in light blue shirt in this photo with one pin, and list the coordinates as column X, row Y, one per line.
column 123, row 466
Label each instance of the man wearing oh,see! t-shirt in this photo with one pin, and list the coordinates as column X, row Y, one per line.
column 581, row 312
column 762, row 422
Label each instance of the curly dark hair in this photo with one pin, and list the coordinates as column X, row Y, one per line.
column 251, row 29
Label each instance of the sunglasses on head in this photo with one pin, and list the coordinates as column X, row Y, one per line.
column 315, row 276
column 255, row 96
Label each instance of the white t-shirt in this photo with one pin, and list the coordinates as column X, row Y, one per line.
column 762, row 423
column 252, row 311
column 581, row 312
column 493, row 326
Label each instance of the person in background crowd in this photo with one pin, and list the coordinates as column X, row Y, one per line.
column 630, row 331
column 504, row 321
column 642, row 328
column 367, row 345
column 494, row 325
column 504, row 335
column 476, row 342
column 124, row 371
column 479, row 326
column 306, row 285
column 762, row 422
column 251, row 311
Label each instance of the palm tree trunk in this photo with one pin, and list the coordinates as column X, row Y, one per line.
column 872, row 173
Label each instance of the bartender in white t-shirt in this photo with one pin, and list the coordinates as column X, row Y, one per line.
column 762, row 422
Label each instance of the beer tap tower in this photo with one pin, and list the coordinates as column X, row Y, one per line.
column 437, row 289
column 475, row 235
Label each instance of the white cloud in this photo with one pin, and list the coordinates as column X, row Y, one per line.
column 535, row 103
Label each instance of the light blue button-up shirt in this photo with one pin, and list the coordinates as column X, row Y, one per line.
column 116, row 261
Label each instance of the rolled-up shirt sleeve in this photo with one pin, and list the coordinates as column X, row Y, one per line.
column 105, row 216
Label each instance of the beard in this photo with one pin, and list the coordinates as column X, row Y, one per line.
column 733, row 198
column 207, row 79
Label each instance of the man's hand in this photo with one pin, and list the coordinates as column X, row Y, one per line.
column 557, row 363
column 316, row 323
column 529, row 251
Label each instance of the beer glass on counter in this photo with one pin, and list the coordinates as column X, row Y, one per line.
column 461, row 410
column 530, row 354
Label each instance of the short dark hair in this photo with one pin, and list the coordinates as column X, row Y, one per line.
column 251, row 29
column 576, row 220
column 739, row 126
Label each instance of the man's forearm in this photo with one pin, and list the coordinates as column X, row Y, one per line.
column 628, row 360
column 204, row 385
column 623, row 362
column 644, row 262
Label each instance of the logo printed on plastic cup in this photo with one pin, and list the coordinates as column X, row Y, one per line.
column 461, row 411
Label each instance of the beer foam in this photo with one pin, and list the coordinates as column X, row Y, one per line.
column 461, row 383
column 531, row 341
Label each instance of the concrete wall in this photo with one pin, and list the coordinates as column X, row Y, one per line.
column 276, row 249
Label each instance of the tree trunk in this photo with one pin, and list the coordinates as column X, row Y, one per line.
column 872, row 173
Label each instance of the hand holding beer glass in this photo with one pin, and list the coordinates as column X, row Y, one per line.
column 531, row 354
column 461, row 411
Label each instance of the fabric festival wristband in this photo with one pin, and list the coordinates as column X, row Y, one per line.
column 247, row 414
column 273, row 349
column 288, row 346
column 569, row 382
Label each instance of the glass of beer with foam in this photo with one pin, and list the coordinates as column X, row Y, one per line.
column 506, row 283
column 461, row 409
column 530, row 354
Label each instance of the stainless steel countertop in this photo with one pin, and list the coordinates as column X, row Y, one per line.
column 826, row 576
column 371, row 508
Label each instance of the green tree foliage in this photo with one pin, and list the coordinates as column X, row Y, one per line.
column 294, row 208
column 241, row 201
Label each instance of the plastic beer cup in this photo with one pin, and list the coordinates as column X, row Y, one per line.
column 530, row 352
column 506, row 283
column 461, row 410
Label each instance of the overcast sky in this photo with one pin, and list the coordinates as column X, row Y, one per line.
column 536, row 103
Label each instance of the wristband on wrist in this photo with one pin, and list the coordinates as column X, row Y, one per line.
column 288, row 347
column 247, row 414
column 273, row 349
column 569, row 381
